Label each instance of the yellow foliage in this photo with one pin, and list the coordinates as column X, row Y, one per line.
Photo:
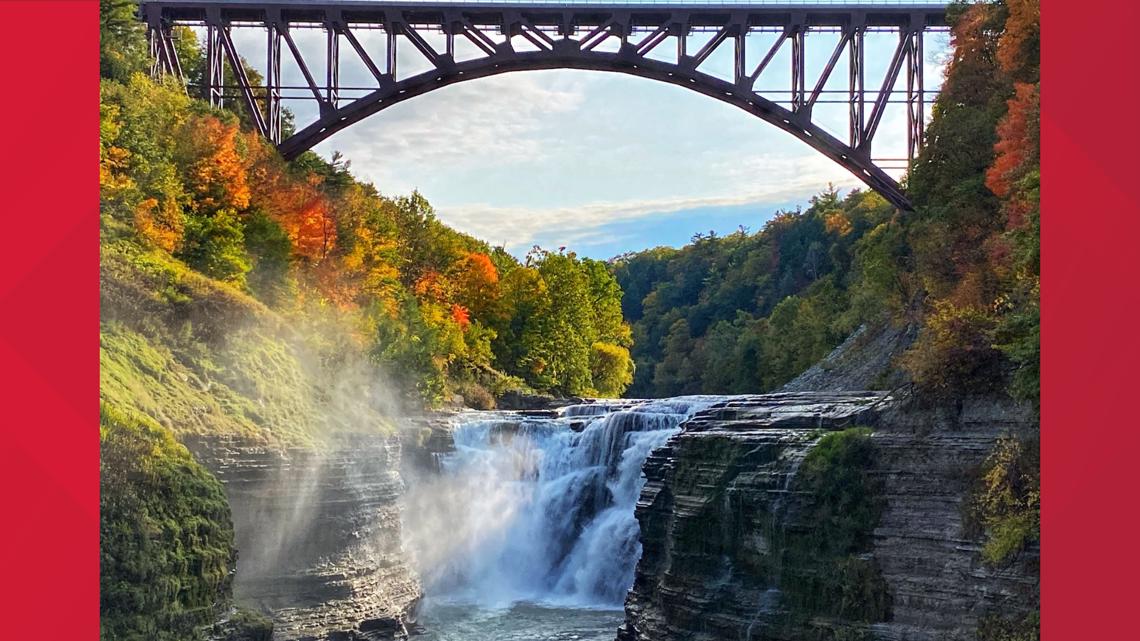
column 836, row 222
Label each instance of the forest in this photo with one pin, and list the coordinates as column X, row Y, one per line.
column 187, row 184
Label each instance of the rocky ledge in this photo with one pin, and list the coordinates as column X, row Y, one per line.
column 743, row 540
column 318, row 537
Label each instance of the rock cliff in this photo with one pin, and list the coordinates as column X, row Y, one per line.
column 318, row 536
column 740, row 541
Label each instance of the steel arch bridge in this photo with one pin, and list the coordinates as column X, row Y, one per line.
column 628, row 37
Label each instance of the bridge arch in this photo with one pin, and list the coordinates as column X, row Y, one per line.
column 565, row 37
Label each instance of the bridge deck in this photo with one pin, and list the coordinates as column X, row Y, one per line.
column 646, row 14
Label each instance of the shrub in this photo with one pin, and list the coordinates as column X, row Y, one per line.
column 953, row 355
column 477, row 397
column 1005, row 507
column 215, row 245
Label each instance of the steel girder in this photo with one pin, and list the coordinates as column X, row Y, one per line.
column 562, row 37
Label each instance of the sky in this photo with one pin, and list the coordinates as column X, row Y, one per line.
column 600, row 163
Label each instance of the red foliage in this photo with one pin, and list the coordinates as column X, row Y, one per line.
column 460, row 316
column 296, row 203
column 1016, row 149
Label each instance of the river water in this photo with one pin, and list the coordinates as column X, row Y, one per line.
column 520, row 622
column 528, row 532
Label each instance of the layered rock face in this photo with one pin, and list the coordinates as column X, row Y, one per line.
column 725, row 526
column 318, row 537
column 926, row 461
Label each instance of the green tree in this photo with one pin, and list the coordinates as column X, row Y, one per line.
column 122, row 40
column 270, row 256
column 215, row 246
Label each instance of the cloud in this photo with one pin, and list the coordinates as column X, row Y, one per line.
column 762, row 180
column 493, row 121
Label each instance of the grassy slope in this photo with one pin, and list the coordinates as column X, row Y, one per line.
column 202, row 358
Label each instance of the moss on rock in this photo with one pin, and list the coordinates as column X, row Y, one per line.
column 166, row 538
column 827, row 571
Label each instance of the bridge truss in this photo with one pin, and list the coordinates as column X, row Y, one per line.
column 517, row 36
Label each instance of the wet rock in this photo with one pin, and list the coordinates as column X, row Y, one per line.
column 318, row 536
column 516, row 400
column 721, row 496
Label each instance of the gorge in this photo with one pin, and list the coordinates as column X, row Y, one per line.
column 716, row 511
column 326, row 415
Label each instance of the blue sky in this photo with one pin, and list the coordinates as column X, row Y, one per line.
column 601, row 163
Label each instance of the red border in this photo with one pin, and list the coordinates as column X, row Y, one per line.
column 49, row 304
column 1090, row 305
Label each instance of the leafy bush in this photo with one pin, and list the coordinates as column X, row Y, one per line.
column 215, row 245
column 1005, row 507
column 477, row 397
column 954, row 354
column 166, row 542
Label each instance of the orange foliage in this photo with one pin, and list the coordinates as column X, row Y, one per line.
column 477, row 282
column 297, row 204
column 432, row 286
column 837, row 223
column 1021, row 38
column 216, row 171
column 480, row 268
column 162, row 227
column 460, row 316
column 1016, row 149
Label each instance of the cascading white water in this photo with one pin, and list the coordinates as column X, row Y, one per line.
column 541, row 510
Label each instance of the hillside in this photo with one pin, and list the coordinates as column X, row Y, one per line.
column 749, row 311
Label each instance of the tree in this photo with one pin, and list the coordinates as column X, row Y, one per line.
column 122, row 41
column 215, row 168
column 611, row 369
column 215, row 246
column 477, row 284
column 270, row 256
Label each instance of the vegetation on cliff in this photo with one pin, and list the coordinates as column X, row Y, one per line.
column 1006, row 501
column 827, row 571
column 166, row 541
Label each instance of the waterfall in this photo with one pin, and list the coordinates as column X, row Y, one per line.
column 541, row 510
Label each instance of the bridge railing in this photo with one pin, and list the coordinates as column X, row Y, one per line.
column 573, row 3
